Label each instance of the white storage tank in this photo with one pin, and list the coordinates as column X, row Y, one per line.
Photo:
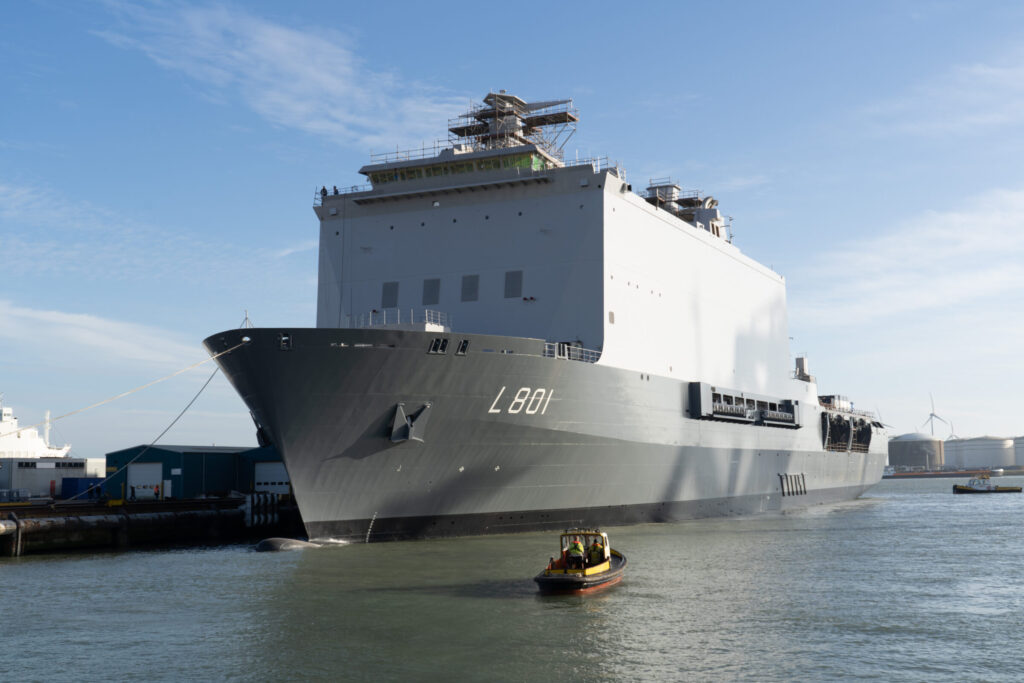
column 916, row 452
column 1018, row 451
column 980, row 452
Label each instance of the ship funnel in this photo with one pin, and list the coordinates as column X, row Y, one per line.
column 803, row 369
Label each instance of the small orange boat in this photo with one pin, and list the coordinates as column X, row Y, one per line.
column 586, row 562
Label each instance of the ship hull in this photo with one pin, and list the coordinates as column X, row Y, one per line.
column 384, row 440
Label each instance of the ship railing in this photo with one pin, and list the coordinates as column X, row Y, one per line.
column 568, row 351
column 396, row 316
column 664, row 195
column 323, row 193
column 850, row 411
column 730, row 409
column 424, row 152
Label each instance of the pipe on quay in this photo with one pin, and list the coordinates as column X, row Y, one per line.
column 189, row 522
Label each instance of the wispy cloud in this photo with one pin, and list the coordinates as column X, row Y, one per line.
column 77, row 237
column 309, row 245
column 303, row 79
column 94, row 339
column 971, row 258
column 967, row 99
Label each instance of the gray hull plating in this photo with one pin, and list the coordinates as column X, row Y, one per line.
column 503, row 439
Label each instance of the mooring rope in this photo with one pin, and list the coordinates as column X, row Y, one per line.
column 99, row 486
column 132, row 391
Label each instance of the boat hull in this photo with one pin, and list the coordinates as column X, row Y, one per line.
column 580, row 583
column 384, row 440
column 957, row 488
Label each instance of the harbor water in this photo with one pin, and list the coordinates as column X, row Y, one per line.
column 908, row 583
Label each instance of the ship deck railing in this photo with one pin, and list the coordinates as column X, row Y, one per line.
column 424, row 152
column 570, row 352
column 396, row 316
column 321, row 194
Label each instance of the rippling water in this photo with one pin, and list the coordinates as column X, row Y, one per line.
column 908, row 583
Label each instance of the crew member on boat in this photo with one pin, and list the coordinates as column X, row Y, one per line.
column 596, row 552
column 574, row 554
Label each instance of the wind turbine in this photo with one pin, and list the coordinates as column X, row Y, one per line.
column 932, row 417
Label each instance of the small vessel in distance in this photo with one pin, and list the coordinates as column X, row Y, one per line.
column 586, row 562
column 982, row 484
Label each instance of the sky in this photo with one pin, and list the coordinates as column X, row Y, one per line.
column 158, row 163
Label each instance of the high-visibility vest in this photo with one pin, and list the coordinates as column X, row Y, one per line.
column 596, row 552
column 576, row 549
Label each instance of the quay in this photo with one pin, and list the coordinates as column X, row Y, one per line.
column 952, row 474
column 59, row 526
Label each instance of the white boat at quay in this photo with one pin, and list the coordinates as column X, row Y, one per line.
column 17, row 442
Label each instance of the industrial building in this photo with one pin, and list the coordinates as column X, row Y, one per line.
column 180, row 472
column 916, row 452
column 33, row 477
column 980, row 452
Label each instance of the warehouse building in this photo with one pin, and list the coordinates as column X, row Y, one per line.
column 149, row 472
column 22, row 478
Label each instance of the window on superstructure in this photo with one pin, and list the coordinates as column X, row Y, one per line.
column 431, row 291
column 513, row 284
column 470, row 287
column 389, row 295
column 517, row 161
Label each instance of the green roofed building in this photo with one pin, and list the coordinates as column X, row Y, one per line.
column 183, row 472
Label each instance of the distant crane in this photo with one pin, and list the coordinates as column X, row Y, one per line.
column 932, row 417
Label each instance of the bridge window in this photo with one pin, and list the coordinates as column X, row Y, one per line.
column 470, row 287
column 389, row 295
column 431, row 291
column 513, row 284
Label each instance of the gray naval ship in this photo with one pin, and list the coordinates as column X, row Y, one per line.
column 508, row 340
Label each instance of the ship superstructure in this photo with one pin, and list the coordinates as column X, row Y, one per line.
column 507, row 340
column 25, row 442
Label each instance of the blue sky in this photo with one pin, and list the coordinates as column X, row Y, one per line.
column 158, row 163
